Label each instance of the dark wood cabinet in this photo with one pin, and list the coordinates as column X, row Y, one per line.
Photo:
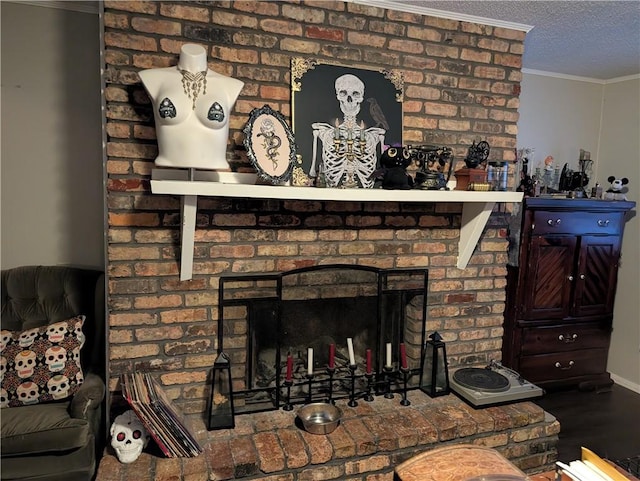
column 561, row 289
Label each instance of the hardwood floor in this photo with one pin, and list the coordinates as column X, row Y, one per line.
column 607, row 422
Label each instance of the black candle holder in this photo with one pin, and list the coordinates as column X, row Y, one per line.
column 388, row 370
column 331, row 371
column 310, row 381
column 352, row 397
column 287, row 405
column 405, row 378
column 368, row 396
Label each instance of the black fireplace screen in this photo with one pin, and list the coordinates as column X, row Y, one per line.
column 288, row 334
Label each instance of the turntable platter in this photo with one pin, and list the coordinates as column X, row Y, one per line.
column 479, row 379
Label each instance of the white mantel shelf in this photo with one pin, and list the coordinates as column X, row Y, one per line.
column 476, row 206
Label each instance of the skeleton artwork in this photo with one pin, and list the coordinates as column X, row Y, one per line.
column 348, row 148
column 128, row 437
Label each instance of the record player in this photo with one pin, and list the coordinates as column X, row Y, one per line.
column 492, row 385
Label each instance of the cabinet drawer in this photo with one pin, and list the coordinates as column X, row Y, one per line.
column 563, row 365
column 541, row 340
column 551, row 222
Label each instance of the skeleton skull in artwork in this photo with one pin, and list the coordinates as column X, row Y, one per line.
column 128, row 437
column 350, row 94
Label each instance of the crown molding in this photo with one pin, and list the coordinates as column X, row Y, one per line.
column 543, row 73
column 74, row 6
column 623, row 79
column 432, row 12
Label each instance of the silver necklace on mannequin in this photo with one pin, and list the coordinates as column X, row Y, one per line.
column 192, row 83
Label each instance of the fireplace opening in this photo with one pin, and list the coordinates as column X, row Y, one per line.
column 270, row 325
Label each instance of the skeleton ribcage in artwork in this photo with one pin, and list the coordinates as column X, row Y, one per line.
column 349, row 162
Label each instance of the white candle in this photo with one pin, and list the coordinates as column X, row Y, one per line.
column 310, row 361
column 352, row 357
column 388, row 355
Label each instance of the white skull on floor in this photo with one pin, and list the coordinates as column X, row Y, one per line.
column 128, row 437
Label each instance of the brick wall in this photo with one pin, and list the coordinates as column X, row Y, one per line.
column 461, row 84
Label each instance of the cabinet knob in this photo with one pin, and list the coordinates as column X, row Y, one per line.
column 553, row 223
column 568, row 338
column 582, row 276
column 564, row 368
column 570, row 278
column 603, row 223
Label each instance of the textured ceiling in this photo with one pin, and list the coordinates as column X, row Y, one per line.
column 598, row 40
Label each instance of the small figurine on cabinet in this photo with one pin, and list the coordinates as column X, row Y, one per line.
column 394, row 162
column 617, row 189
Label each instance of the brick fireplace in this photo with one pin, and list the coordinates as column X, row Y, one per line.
column 461, row 84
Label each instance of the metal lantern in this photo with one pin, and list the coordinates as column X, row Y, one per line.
column 435, row 372
column 221, row 415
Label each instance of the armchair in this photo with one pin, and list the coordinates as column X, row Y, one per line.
column 60, row 439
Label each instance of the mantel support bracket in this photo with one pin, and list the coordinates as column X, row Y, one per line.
column 189, row 211
column 474, row 218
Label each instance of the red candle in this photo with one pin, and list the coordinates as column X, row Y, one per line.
column 368, row 361
column 403, row 356
column 332, row 355
column 289, row 367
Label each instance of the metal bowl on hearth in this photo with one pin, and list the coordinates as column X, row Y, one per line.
column 319, row 418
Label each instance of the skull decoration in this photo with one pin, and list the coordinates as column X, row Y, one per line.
column 5, row 337
column 56, row 358
column 59, row 386
column 3, row 366
column 28, row 392
column 128, row 437
column 25, row 363
column 4, row 398
column 350, row 94
column 56, row 332
column 27, row 337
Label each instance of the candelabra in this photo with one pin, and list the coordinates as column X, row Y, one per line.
column 352, row 397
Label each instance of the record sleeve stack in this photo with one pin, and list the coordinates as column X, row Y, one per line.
column 159, row 415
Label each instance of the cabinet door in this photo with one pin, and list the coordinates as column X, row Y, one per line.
column 548, row 279
column 596, row 275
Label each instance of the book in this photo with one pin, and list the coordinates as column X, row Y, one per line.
column 159, row 415
column 590, row 468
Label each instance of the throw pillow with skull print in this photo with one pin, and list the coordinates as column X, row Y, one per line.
column 41, row 364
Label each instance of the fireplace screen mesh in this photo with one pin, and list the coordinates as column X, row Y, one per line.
column 270, row 325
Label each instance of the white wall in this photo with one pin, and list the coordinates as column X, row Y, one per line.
column 559, row 116
column 51, row 155
column 620, row 154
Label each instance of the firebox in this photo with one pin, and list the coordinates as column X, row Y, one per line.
column 322, row 333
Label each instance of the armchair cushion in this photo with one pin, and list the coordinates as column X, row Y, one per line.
column 42, row 428
column 41, row 364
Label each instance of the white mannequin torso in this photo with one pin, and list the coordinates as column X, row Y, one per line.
column 191, row 107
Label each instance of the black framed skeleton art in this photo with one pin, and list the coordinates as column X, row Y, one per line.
column 343, row 119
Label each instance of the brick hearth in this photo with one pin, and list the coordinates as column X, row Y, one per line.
column 371, row 440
